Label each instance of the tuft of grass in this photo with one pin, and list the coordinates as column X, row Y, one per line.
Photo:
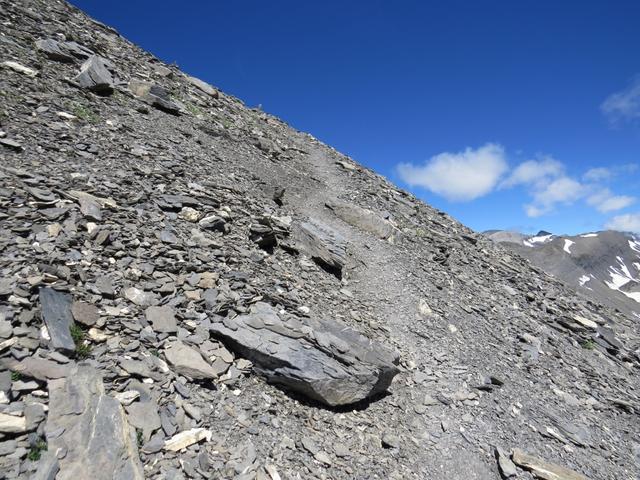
column 85, row 113
column 139, row 438
column 83, row 349
column 589, row 344
column 36, row 450
column 15, row 376
column 193, row 109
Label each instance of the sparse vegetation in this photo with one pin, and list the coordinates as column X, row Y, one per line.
column 84, row 113
column 193, row 109
column 589, row 344
column 36, row 450
column 83, row 349
column 15, row 376
column 139, row 438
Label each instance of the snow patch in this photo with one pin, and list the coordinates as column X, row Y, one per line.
column 567, row 245
column 589, row 235
column 621, row 276
column 634, row 245
column 583, row 279
column 538, row 239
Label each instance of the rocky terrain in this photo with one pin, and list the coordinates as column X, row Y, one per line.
column 193, row 289
column 604, row 266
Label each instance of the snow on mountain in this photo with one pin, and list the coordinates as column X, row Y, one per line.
column 603, row 265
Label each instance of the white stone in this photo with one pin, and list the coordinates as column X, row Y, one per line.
column 188, row 437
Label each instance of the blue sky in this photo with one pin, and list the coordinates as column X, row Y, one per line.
column 506, row 114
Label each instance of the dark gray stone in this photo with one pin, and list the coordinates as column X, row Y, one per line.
column 324, row 245
column 154, row 95
column 162, row 319
column 95, row 75
column 324, row 360
column 48, row 467
column 56, row 313
column 94, row 430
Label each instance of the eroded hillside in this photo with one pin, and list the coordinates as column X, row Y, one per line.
column 193, row 289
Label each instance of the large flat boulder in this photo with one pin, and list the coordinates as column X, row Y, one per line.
column 324, row 245
column 362, row 218
column 88, row 430
column 544, row 470
column 322, row 359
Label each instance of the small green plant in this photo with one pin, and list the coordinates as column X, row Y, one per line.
column 83, row 349
column 226, row 123
column 154, row 352
column 139, row 438
column 36, row 450
column 193, row 109
column 76, row 333
column 85, row 113
column 589, row 344
column 15, row 376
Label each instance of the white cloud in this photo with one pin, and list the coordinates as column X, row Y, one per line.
column 626, row 223
column 562, row 190
column 460, row 176
column 605, row 201
column 597, row 174
column 534, row 172
column 623, row 105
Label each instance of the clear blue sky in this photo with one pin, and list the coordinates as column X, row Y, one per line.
column 446, row 99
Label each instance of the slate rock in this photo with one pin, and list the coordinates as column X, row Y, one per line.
column 53, row 50
column 95, row 75
column 162, row 319
column 144, row 415
column 85, row 313
column 56, row 313
column 544, row 470
column 154, row 95
column 188, row 361
column 67, row 52
column 12, row 423
column 322, row 359
column 95, row 433
column 188, row 437
column 48, row 467
column 38, row 368
column 140, row 297
column 506, row 466
column 324, row 245
column 11, row 144
column 362, row 218
column 204, row 86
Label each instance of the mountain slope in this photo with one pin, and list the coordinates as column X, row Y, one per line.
column 166, row 217
column 604, row 266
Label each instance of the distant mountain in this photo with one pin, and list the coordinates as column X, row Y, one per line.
column 605, row 265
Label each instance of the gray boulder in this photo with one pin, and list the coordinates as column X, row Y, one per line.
column 362, row 218
column 324, row 245
column 95, row 75
column 204, row 86
column 154, row 95
column 67, row 52
column 56, row 313
column 322, row 359
column 188, row 361
column 91, row 427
